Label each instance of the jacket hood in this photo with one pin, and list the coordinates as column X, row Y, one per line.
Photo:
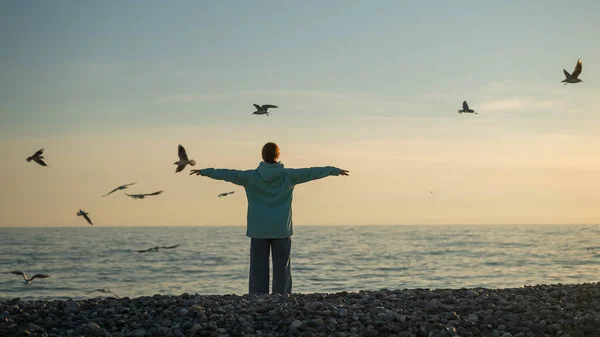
column 269, row 172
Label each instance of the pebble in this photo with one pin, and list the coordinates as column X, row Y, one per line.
column 139, row 333
column 73, row 306
column 553, row 310
column 189, row 303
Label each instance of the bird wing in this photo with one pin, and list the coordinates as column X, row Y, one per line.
column 170, row 247
column 231, row 192
column 18, row 272
column 133, row 195
column 39, row 161
column 100, row 290
column 38, row 153
column 465, row 106
column 116, row 189
column 258, row 107
column 144, row 250
column 87, row 218
column 155, row 193
column 578, row 68
column 182, row 153
column 117, row 296
column 567, row 75
column 266, row 106
column 179, row 168
column 38, row 276
column 133, row 183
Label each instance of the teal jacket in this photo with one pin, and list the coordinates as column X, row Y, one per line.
column 269, row 190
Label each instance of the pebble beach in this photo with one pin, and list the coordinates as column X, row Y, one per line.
column 542, row 310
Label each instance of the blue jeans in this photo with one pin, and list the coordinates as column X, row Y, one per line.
column 259, row 265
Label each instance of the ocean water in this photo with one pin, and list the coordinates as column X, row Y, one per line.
column 324, row 259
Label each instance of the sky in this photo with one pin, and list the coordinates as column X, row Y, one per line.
column 110, row 88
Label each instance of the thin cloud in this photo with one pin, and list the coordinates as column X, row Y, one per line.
column 507, row 104
column 519, row 104
column 317, row 94
column 190, row 98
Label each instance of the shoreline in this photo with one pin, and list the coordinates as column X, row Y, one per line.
column 542, row 310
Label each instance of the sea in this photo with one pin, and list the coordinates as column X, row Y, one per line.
column 215, row 260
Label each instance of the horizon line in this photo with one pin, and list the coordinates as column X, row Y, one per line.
column 329, row 225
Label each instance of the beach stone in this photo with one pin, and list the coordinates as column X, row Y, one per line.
column 296, row 324
column 72, row 306
column 473, row 318
column 189, row 303
column 507, row 334
column 94, row 328
column 536, row 328
column 36, row 328
column 343, row 312
column 139, row 333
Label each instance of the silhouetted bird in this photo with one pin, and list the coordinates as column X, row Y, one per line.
column 225, row 194
column 573, row 78
column 85, row 216
column 142, row 196
column 37, row 157
column 28, row 280
column 466, row 109
column 183, row 160
column 262, row 110
column 106, row 291
column 155, row 249
column 122, row 187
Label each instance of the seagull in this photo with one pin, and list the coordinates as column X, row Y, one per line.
column 466, row 109
column 225, row 194
column 262, row 110
column 28, row 280
column 572, row 78
column 38, row 158
column 155, row 249
column 122, row 187
column 183, row 160
column 106, row 291
column 85, row 216
column 142, row 196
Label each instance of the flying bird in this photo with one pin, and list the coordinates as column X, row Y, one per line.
column 183, row 160
column 28, row 280
column 262, row 110
column 466, row 109
column 106, row 291
column 38, row 158
column 155, row 249
column 573, row 78
column 85, row 216
column 225, row 194
column 142, row 196
column 122, row 187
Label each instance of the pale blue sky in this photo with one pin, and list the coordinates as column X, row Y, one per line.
column 349, row 76
column 112, row 61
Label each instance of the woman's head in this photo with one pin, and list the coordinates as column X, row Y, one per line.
column 270, row 153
